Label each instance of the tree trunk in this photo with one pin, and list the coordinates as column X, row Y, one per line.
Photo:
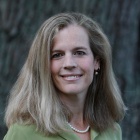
column 120, row 20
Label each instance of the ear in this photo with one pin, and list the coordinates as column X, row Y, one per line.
column 96, row 64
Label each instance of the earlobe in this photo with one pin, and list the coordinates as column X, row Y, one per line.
column 97, row 68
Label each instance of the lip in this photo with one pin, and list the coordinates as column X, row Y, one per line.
column 71, row 77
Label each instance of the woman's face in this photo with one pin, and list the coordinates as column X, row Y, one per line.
column 72, row 61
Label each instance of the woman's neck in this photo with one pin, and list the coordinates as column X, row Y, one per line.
column 76, row 105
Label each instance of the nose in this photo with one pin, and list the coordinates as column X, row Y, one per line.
column 69, row 62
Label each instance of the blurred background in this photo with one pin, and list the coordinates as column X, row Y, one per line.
column 120, row 20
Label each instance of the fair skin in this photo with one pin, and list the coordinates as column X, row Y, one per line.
column 72, row 68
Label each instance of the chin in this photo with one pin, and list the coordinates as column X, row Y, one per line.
column 71, row 91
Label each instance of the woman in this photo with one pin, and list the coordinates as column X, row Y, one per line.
column 66, row 89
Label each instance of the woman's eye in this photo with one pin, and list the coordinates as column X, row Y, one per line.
column 57, row 55
column 79, row 53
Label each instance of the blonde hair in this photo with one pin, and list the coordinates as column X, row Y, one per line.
column 33, row 99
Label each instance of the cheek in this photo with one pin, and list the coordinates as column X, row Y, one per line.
column 54, row 68
column 89, row 69
column 53, row 73
column 88, row 66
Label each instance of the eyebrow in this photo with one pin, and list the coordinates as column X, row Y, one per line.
column 76, row 48
column 80, row 48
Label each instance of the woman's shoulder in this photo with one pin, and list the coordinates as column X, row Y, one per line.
column 114, row 133
column 27, row 132
column 23, row 128
column 23, row 132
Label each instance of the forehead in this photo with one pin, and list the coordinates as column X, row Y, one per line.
column 72, row 28
column 71, row 35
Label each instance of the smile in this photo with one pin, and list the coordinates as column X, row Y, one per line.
column 71, row 77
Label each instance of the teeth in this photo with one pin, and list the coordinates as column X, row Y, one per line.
column 74, row 77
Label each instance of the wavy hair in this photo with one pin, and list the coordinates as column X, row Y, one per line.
column 33, row 99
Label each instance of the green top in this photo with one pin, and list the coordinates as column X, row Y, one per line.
column 28, row 132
